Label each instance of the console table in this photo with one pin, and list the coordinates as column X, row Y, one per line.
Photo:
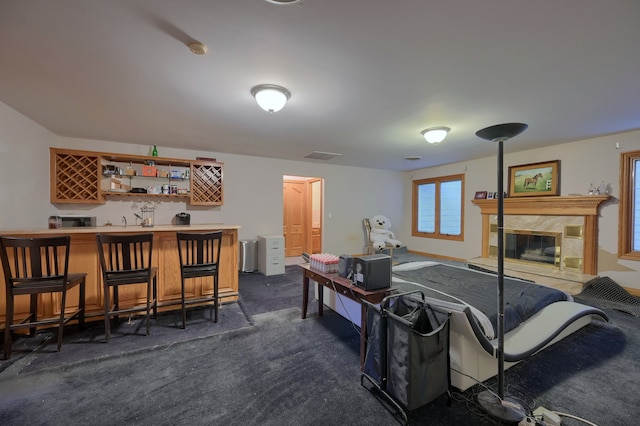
column 346, row 288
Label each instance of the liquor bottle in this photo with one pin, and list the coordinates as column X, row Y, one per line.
column 154, row 153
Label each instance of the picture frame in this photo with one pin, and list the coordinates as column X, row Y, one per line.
column 490, row 195
column 480, row 195
column 535, row 179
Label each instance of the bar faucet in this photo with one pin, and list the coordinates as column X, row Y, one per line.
column 124, row 221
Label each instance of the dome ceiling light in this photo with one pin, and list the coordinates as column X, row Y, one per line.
column 435, row 134
column 270, row 97
column 283, row 2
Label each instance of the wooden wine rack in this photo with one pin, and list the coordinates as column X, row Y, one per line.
column 206, row 184
column 75, row 177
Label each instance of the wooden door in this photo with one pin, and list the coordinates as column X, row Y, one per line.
column 295, row 217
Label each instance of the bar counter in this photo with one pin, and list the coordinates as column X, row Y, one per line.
column 84, row 258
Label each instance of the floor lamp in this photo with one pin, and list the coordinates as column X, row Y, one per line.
column 497, row 406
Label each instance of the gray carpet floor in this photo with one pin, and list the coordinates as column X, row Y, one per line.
column 261, row 364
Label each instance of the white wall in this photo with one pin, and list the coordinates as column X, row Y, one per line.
column 24, row 168
column 253, row 191
column 252, row 188
column 581, row 163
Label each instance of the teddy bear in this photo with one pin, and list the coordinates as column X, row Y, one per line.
column 381, row 235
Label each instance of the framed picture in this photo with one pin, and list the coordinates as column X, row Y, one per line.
column 535, row 179
column 480, row 195
column 490, row 195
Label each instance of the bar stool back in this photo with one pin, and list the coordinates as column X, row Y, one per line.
column 126, row 259
column 35, row 266
column 199, row 255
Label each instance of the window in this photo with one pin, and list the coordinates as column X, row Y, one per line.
column 438, row 207
column 629, row 220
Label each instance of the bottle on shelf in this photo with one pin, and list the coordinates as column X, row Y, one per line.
column 154, row 152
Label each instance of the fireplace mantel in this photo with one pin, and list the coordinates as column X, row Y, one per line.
column 584, row 206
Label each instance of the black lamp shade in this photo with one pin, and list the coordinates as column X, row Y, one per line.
column 501, row 131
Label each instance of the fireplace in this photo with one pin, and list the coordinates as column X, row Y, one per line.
column 547, row 239
column 533, row 246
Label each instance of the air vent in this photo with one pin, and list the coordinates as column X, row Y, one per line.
column 319, row 155
column 573, row 262
column 573, row 231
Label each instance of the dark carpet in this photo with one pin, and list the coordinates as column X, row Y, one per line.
column 263, row 365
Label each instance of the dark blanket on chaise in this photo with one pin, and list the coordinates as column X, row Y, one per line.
column 522, row 299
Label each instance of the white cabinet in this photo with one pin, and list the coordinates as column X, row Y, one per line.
column 271, row 254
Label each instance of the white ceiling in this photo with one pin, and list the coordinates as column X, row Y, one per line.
column 366, row 76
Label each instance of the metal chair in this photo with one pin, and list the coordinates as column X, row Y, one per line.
column 199, row 257
column 126, row 259
column 35, row 266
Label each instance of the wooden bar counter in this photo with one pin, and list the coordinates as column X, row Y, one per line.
column 84, row 258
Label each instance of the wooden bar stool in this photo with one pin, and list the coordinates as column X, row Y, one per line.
column 199, row 255
column 36, row 266
column 126, row 259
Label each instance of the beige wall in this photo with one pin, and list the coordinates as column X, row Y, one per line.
column 581, row 163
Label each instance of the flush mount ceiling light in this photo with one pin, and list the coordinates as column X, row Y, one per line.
column 270, row 97
column 283, row 2
column 435, row 134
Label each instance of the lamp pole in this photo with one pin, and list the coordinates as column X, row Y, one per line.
column 498, row 406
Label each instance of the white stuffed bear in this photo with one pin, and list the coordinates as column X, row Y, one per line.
column 381, row 235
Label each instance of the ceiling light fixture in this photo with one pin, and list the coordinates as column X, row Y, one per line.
column 435, row 134
column 283, row 2
column 270, row 97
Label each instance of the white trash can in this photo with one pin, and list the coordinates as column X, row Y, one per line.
column 248, row 256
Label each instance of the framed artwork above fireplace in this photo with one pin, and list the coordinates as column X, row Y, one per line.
column 535, row 179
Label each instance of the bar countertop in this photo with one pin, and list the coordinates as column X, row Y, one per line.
column 119, row 229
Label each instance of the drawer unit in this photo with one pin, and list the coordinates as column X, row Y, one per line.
column 271, row 254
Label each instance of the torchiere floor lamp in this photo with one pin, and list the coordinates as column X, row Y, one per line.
column 506, row 409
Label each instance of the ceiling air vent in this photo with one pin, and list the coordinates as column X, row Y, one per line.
column 319, row 155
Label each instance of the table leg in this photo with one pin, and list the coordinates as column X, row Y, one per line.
column 363, row 334
column 305, row 295
column 320, row 299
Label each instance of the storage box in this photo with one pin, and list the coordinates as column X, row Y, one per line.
column 149, row 171
column 163, row 173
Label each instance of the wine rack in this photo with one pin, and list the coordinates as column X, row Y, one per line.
column 206, row 184
column 75, row 177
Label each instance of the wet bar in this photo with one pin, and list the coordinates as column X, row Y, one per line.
column 84, row 258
